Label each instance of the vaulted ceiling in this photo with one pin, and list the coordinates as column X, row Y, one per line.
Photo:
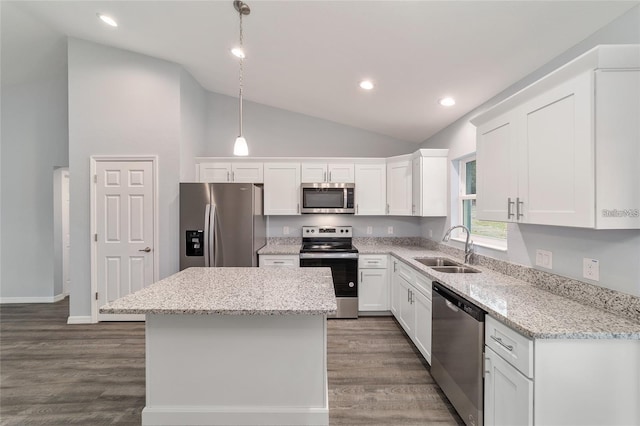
column 308, row 56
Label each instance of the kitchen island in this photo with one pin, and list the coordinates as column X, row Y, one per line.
column 229, row 346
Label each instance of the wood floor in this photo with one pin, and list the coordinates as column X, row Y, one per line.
column 52, row 373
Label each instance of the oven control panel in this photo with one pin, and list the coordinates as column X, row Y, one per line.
column 327, row 231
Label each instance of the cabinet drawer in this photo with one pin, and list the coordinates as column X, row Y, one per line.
column 512, row 346
column 423, row 284
column 372, row 261
column 292, row 261
column 406, row 272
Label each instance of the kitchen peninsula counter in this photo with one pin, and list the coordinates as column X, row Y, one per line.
column 235, row 346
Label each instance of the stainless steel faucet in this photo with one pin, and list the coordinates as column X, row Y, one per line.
column 468, row 245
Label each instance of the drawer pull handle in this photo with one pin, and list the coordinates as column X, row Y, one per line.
column 501, row 343
column 278, row 262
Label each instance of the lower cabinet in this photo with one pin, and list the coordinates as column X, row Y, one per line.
column 373, row 285
column 411, row 305
column 288, row 260
column 508, row 394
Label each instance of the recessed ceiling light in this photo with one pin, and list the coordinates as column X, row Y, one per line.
column 238, row 52
column 107, row 20
column 447, row 101
column 366, row 84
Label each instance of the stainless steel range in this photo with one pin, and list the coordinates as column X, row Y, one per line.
column 331, row 246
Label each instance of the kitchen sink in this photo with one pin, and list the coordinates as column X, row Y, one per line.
column 435, row 261
column 455, row 269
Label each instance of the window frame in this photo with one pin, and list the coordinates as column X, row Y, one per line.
column 459, row 235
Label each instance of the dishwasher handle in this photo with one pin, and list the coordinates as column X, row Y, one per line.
column 454, row 300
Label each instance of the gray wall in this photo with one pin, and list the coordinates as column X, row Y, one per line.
column 618, row 251
column 402, row 226
column 193, row 113
column 274, row 132
column 121, row 103
column 34, row 141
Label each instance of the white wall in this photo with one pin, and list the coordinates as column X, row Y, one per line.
column 193, row 107
column 274, row 132
column 120, row 103
column 618, row 251
column 34, row 141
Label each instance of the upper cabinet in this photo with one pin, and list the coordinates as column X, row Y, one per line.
column 429, row 176
column 281, row 188
column 244, row 171
column 371, row 189
column 564, row 151
column 323, row 172
column 399, row 186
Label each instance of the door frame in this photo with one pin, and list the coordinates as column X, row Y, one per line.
column 94, row 160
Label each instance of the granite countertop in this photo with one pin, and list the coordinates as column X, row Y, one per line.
column 280, row 249
column 234, row 291
column 528, row 309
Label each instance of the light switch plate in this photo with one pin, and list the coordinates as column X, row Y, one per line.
column 591, row 269
column 544, row 258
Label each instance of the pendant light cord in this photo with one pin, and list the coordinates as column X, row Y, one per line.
column 241, row 71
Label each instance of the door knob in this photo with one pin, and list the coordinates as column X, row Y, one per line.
column 146, row 249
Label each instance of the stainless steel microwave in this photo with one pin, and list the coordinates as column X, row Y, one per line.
column 328, row 198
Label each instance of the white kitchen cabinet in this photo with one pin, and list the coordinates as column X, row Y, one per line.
column 371, row 189
column 327, row 172
column 283, row 260
column 399, row 186
column 429, row 186
column 251, row 172
column 508, row 394
column 373, row 287
column 411, row 305
column 564, row 150
column 561, row 382
column 281, row 188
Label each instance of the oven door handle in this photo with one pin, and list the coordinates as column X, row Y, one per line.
column 328, row 255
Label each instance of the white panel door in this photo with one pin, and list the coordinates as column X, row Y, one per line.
column 314, row 172
column 66, row 240
column 371, row 189
column 373, row 290
column 247, row 172
column 124, row 228
column 340, row 173
column 422, row 338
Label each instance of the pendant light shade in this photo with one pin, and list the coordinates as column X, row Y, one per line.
column 240, row 147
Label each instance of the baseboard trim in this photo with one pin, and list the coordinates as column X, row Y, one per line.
column 78, row 319
column 280, row 416
column 48, row 299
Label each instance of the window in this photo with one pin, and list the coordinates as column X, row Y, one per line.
column 485, row 233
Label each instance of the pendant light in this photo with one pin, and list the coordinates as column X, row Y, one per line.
column 240, row 147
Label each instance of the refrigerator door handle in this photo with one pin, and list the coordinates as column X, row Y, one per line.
column 207, row 232
column 215, row 242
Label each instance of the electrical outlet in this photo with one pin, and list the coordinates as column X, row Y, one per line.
column 369, row 230
column 430, row 233
column 544, row 258
column 591, row 269
column 285, row 230
column 390, row 230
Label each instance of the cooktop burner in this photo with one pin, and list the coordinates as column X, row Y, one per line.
column 322, row 239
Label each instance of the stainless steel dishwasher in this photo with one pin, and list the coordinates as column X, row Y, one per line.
column 456, row 357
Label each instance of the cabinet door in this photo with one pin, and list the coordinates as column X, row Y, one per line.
column 247, row 172
column 557, row 183
column 496, row 169
column 406, row 308
column 371, row 189
column 282, row 188
column 314, row 172
column 416, row 186
column 373, row 290
column 215, row 172
column 340, row 173
column 422, row 332
column 399, row 188
column 508, row 395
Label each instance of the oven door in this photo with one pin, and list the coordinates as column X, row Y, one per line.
column 343, row 269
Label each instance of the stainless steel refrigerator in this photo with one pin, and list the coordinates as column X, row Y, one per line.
column 221, row 224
